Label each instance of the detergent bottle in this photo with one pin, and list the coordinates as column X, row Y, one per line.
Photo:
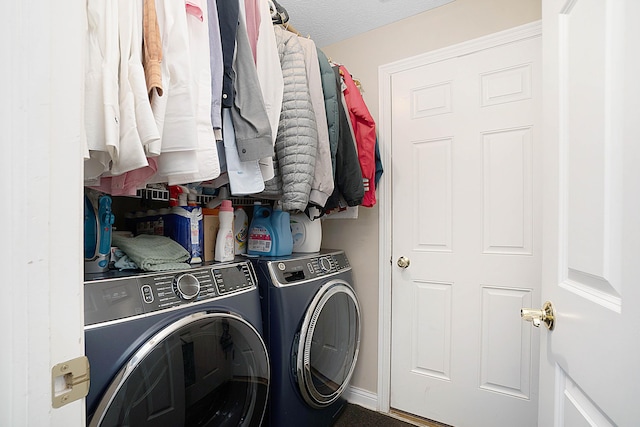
column 280, row 221
column 307, row 234
column 224, row 241
column 261, row 236
column 240, row 230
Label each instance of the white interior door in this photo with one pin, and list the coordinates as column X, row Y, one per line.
column 466, row 149
column 590, row 370
column 41, row 310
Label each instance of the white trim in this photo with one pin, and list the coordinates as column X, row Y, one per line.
column 385, row 220
column 533, row 29
column 361, row 397
column 385, row 75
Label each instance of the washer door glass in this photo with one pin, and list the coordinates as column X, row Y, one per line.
column 328, row 344
column 207, row 369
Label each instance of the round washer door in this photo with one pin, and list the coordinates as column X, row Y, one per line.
column 328, row 345
column 206, row 369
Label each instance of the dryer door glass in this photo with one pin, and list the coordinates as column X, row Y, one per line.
column 329, row 344
column 207, row 369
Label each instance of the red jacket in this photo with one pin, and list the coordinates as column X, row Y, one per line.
column 364, row 129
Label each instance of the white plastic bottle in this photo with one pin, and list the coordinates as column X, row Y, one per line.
column 225, row 250
column 241, row 231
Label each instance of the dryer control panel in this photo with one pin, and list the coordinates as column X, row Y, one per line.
column 304, row 268
column 120, row 297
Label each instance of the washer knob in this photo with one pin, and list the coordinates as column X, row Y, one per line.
column 325, row 264
column 186, row 286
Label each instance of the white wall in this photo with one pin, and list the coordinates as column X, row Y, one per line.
column 362, row 55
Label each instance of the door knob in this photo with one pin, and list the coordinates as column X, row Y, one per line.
column 403, row 262
column 547, row 315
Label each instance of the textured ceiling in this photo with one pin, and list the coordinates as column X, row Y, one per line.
column 331, row 21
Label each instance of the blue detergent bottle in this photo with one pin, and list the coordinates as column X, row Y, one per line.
column 281, row 223
column 261, row 234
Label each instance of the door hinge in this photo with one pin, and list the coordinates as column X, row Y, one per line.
column 69, row 381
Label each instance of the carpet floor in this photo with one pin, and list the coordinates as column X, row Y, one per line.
column 357, row 416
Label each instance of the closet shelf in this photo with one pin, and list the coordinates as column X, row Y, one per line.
column 162, row 195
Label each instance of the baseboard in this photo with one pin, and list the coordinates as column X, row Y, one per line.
column 364, row 398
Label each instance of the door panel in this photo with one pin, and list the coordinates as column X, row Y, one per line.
column 466, row 212
column 591, row 238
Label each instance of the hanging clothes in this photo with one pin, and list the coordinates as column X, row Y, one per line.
column 137, row 114
column 297, row 139
column 152, row 48
column 174, row 110
column 207, row 153
column 216, row 65
column 145, row 121
column 364, row 129
column 250, row 120
column 244, row 177
column 331, row 100
column 228, row 11
column 160, row 73
column 253, row 19
column 348, row 179
column 271, row 81
column 130, row 155
column 322, row 185
column 379, row 168
column 102, row 112
column 128, row 183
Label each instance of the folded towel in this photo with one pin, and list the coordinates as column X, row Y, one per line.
column 123, row 262
column 153, row 253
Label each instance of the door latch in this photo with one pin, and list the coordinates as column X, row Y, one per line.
column 69, row 381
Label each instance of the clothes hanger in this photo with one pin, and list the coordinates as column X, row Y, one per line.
column 287, row 26
column 279, row 14
column 272, row 8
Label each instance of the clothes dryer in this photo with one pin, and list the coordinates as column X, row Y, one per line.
column 176, row 348
column 311, row 324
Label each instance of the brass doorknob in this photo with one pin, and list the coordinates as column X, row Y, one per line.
column 547, row 315
column 403, row 262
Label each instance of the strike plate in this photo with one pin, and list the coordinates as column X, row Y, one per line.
column 69, row 381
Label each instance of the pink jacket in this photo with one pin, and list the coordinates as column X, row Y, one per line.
column 364, row 129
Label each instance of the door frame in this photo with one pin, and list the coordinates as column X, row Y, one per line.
column 385, row 255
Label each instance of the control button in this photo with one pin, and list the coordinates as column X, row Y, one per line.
column 310, row 267
column 325, row 264
column 186, row 286
column 281, row 266
column 147, row 294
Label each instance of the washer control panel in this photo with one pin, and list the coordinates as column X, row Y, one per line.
column 304, row 268
column 117, row 298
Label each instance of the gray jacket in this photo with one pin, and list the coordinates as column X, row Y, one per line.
column 250, row 120
column 322, row 186
column 331, row 104
column 297, row 138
